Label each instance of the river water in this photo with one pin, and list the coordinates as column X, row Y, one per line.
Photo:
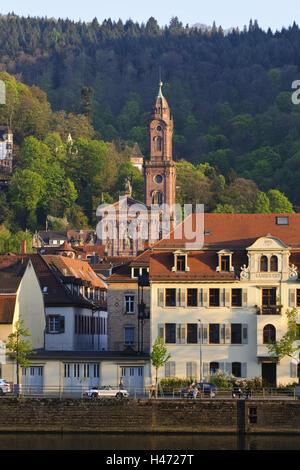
column 97, row 441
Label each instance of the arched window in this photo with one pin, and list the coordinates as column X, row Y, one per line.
column 159, row 144
column 269, row 334
column 274, row 263
column 263, row 264
column 213, row 368
column 157, row 197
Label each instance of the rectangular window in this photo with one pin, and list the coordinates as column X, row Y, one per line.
column 298, row 297
column 136, row 272
column 86, row 370
column 236, row 297
column 55, row 324
column 225, row 263
column 129, row 304
column 192, row 297
column 180, row 263
column 97, row 370
column 67, row 370
column 282, row 220
column 236, row 333
column 214, row 333
column 214, row 297
column 170, row 298
column 192, row 329
column 129, row 335
column 269, row 301
column 76, row 370
column 170, row 329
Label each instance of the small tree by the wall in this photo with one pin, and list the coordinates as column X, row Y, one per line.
column 19, row 348
column 289, row 344
column 159, row 356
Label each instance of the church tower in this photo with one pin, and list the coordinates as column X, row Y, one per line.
column 159, row 169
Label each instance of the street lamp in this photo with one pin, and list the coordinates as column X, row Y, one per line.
column 200, row 342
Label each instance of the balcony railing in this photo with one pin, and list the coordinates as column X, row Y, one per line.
column 269, row 309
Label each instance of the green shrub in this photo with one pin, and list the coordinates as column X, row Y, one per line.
column 221, row 380
column 167, row 385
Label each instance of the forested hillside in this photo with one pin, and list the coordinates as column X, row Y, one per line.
column 235, row 125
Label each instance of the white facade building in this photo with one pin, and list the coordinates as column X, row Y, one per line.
column 218, row 307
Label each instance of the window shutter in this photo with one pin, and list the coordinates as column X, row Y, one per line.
column 205, row 297
column 204, row 333
column 199, row 297
column 183, row 333
column 222, row 297
column 160, row 330
column 222, row 333
column 180, row 333
column 161, row 298
column 227, row 297
column 182, row 297
column 170, row 369
column 205, row 370
column 124, row 304
column 178, row 296
column 194, row 369
column 244, row 298
column 292, row 297
column 293, row 369
column 167, row 370
column 245, row 333
column 61, row 324
column 189, row 369
column 227, row 334
column 244, row 369
column 228, row 367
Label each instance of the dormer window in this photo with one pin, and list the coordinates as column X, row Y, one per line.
column 225, row 261
column 136, row 272
column 180, row 262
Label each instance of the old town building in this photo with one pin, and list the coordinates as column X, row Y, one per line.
column 218, row 306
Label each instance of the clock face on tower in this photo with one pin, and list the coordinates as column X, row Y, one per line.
column 158, row 178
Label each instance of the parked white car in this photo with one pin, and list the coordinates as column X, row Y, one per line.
column 4, row 387
column 106, row 391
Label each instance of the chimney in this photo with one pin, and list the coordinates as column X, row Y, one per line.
column 23, row 247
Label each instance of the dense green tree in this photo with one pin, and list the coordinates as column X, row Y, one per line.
column 279, row 202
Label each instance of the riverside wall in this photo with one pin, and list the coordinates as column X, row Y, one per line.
column 149, row 416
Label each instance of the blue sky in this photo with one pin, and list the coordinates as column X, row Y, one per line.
column 273, row 13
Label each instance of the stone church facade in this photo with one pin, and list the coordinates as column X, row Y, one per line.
column 159, row 191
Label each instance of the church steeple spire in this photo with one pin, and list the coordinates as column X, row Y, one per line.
column 159, row 169
column 160, row 95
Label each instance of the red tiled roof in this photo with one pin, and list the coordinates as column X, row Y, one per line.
column 7, row 308
column 201, row 264
column 237, row 231
column 122, row 273
column 76, row 268
column 12, row 268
